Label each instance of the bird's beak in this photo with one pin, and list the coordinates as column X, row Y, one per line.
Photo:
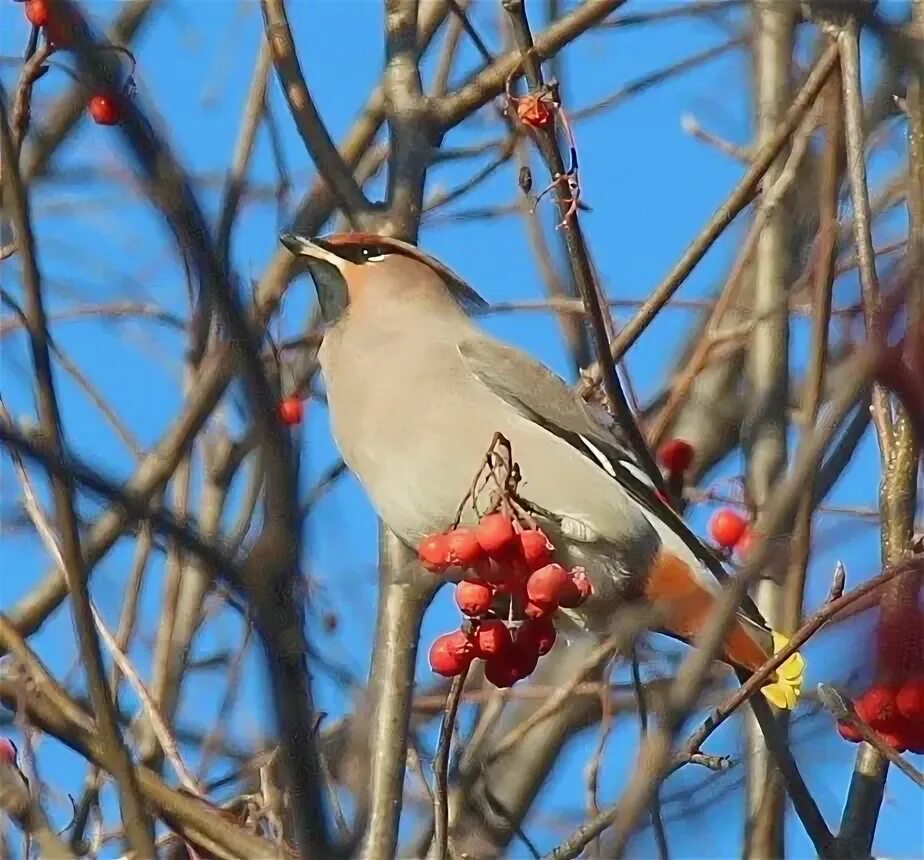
column 327, row 270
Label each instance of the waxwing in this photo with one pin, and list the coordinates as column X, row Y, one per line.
column 416, row 393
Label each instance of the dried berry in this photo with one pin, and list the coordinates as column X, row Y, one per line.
column 576, row 591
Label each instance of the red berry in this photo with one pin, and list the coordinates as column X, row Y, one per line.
column 488, row 570
column 513, row 665
column 495, row 534
column 745, row 543
column 464, row 549
column 535, row 610
column 727, row 528
column 545, row 586
column 536, row 634
column 492, row 638
column 894, row 739
column 536, row 548
column 576, row 591
column 849, row 733
column 909, row 701
column 474, row 598
column 676, row 455
column 291, row 411
column 105, row 110
column 877, row 706
column 433, row 552
column 451, row 653
column 914, row 738
column 7, row 751
column 37, row 12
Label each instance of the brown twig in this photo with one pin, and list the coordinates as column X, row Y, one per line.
column 578, row 257
column 844, row 712
column 339, row 177
column 441, row 768
column 133, row 813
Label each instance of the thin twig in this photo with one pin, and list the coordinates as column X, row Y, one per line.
column 441, row 768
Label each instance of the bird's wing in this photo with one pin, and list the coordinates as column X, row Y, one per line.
column 543, row 397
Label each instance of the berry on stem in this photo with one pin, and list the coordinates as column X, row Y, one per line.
column 473, row 598
column 536, row 634
column 495, row 534
column 464, row 549
column 37, row 12
column 7, row 751
column 433, row 553
column 727, row 528
column 545, row 586
column 492, row 638
column 576, row 591
column 511, row 666
column 451, row 653
column 676, row 455
column 291, row 411
column 536, row 548
column 105, row 110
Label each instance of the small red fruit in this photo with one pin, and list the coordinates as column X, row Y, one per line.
column 492, row 638
column 495, row 534
column 535, row 610
column 105, row 110
column 877, row 706
column 451, row 653
column 744, row 546
column 37, row 12
column 676, row 455
column 433, row 552
column 849, row 733
column 727, row 528
column 534, row 110
column 536, row 634
column 511, row 666
column 576, row 591
column 909, row 701
column 473, row 598
column 536, row 548
column 464, row 549
column 291, row 411
column 545, row 586
column 7, row 751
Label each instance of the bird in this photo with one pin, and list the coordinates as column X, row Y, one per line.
column 416, row 391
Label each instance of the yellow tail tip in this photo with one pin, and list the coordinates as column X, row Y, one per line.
column 784, row 692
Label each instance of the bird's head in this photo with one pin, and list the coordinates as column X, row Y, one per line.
column 349, row 269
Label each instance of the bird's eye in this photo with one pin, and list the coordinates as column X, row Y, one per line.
column 373, row 254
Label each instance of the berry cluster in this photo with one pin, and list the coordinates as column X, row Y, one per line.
column 895, row 711
column 894, row 704
column 505, row 566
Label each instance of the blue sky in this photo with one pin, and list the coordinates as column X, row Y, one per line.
column 650, row 186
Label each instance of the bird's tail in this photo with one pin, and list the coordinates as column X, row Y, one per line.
column 673, row 584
